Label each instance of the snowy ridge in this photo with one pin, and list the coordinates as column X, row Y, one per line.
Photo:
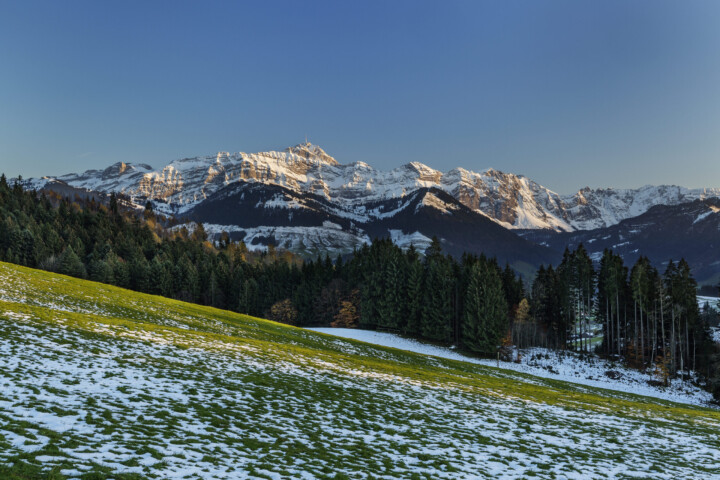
column 604, row 207
column 432, row 201
column 513, row 201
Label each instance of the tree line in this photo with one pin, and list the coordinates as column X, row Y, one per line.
column 646, row 318
column 380, row 286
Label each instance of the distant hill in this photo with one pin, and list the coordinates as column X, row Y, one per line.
column 261, row 214
column 665, row 232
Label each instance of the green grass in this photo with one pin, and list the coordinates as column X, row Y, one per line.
column 101, row 382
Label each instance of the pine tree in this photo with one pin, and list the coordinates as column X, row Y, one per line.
column 513, row 287
column 641, row 286
column 577, row 289
column 612, row 302
column 438, row 310
column 149, row 213
column 415, row 294
column 248, row 297
column 114, row 210
column 100, row 271
column 139, row 274
column 546, row 308
column 392, row 306
column 71, row 265
column 485, row 320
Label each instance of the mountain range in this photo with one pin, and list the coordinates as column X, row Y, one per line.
column 303, row 199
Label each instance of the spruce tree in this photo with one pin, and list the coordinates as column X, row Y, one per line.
column 248, row 297
column 71, row 265
column 438, row 311
column 392, row 306
column 485, row 320
column 414, row 297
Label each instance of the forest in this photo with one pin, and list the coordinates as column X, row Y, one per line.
column 648, row 319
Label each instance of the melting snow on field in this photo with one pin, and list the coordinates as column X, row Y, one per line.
column 547, row 364
column 138, row 384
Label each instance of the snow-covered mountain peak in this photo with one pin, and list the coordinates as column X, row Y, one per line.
column 122, row 168
column 423, row 172
column 513, row 201
column 360, row 165
column 499, row 174
column 116, row 169
column 309, row 151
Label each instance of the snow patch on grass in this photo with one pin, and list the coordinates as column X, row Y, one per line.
column 566, row 366
column 100, row 381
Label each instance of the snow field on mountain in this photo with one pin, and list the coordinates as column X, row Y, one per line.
column 513, row 201
column 405, row 240
column 101, row 380
column 329, row 238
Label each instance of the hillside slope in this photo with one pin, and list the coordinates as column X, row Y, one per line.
column 96, row 379
column 665, row 232
column 310, row 225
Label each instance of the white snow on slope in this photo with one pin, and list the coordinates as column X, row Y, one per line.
column 325, row 239
column 432, row 201
column 513, row 201
column 143, row 384
column 702, row 217
column 566, row 367
column 404, row 240
column 179, row 404
column 712, row 300
column 329, row 238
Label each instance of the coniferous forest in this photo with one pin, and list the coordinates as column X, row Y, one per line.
column 649, row 319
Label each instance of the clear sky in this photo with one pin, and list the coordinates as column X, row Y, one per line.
column 569, row 93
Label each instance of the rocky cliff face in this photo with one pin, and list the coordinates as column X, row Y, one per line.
column 513, row 201
column 304, row 200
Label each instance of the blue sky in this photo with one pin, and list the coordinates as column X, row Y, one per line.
column 568, row 93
